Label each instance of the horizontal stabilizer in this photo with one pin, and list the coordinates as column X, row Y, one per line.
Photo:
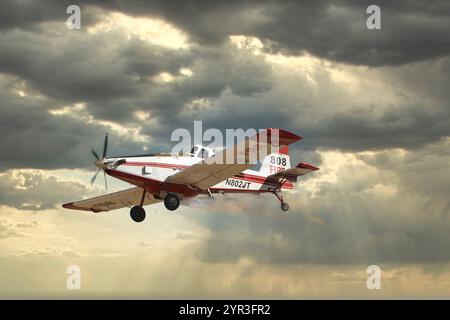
column 292, row 173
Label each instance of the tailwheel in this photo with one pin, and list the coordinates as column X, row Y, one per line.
column 172, row 201
column 284, row 206
column 137, row 213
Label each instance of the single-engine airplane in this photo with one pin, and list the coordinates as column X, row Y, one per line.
column 171, row 177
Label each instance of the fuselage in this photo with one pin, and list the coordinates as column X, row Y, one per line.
column 150, row 172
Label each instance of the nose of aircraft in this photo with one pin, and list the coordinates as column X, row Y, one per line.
column 101, row 163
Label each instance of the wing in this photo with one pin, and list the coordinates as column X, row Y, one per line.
column 291, row 174
column 112, row 201
column 225, row 164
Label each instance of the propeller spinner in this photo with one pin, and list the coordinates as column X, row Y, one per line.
column 101, row 162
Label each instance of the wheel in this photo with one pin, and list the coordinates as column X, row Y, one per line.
column 284, row 206
column 137, row 213
column 171, row 201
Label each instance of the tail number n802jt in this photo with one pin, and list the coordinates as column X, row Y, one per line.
column 237, row 183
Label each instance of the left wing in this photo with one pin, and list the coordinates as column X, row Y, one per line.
column 223, row 165
column 112, row 201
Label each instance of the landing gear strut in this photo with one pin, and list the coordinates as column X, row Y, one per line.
column 172, row 201
column 284, row 205
column 137, row 213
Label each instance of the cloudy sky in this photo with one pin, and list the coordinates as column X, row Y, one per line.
column 373, row 107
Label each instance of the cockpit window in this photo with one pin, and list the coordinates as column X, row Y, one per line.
column 200, row 152
column 194, row 150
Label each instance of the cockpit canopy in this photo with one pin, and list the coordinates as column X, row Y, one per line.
column 201, row 152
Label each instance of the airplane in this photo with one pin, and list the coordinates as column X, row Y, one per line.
column 173, row 178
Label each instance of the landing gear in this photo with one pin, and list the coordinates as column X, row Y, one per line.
column 284, row 205
column 172, row 201
column 137, row 213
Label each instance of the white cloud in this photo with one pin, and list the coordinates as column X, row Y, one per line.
column 153, row 30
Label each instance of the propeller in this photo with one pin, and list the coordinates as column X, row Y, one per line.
column 101, row 162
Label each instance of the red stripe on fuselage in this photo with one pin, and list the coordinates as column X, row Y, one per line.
column 240, row 176
column 155, row 164
column 151, row 185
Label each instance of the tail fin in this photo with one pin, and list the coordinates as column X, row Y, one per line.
column 276, row 162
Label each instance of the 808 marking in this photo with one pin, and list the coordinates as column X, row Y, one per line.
column 278, row 160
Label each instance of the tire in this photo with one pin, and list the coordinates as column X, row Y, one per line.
column 137, row 213
column 172, row 201
column 284, row 206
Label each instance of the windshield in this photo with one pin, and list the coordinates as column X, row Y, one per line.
column 194, row 150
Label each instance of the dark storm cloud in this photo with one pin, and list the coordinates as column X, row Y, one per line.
column 107, row 71
column 411, row 30
column 35, row 191
column 408, row 128
column 224, row 67
column 27, row 14
column 216, row 71
column 145, row 59
column 66, row 71
column 113, row 75
column 336, row 30
column 32, row 137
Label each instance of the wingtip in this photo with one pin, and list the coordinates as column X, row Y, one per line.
column 289, row 135
column 69, row 205
column 285, row 137
column 305, row 165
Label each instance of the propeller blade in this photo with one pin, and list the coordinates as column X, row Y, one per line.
column 106, row 183
column 95, row 154
column 95, row 176
column 105, row 146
